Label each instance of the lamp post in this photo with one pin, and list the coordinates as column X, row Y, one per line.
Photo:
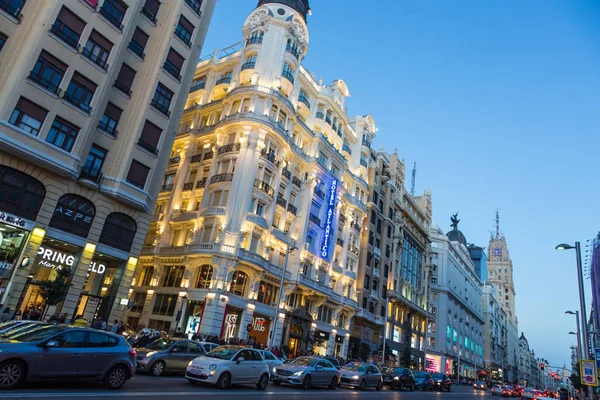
column 285, row 263
column 576, row 313
column 585, row 352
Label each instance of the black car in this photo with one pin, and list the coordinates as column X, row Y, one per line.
column 334, row 361
column 400, row 378
column 441, row 382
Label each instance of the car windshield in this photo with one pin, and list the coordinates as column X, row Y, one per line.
column 420, row 375
column 223, row 352
column 21, row 329
column 437, row 376
column 509, row 388
column 480, row 382
column 304, row 361
column 40, row 333
column 8, row 324
column 356, row 367
column 161, row 344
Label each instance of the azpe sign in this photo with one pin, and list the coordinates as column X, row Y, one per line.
column 329, row 219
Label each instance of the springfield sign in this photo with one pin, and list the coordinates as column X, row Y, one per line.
column 51, row 258
column 329, row 219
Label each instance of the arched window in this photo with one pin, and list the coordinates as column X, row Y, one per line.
column 118, row 231
column 20, row 193
column 238, row 283
column 267, row 293
column 204, row 277
column 73, row 214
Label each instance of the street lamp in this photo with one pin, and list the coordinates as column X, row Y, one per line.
column 584, row 331
column 576, row 314
column 285, row 263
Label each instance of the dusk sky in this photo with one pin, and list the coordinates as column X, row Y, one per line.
column 498, row 103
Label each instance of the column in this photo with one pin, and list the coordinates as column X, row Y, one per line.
column 246, row 320
column 331, row 343
column 118, row 309
column 78, row 279
column 277, row 335
column 214, row 312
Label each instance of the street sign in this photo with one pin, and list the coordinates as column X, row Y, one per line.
column 588, row 373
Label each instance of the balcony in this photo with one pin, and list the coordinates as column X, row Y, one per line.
column 339, row 242
column 188, row 186
column 136, row 49
column 292, row 50
column 195, row 5
column 110, row 17
column 228, row 148
column 162, row 107
column 254, row 40
column 226, row 177
column 376, row 273
column 146, row 13
column 83, row 106
column 292, row 208
column 366, row 141
column 45, row 83
column 174, row 160
column 198, row 86
column 247, row 70
column 196, row 158
column 12, row 8
column 248, row 65
column 297, row 182
column 377, row 252
column 319, row 193
column 314, row 219
column 354, row 250
column 342, row 219
column 122, row 88
column 87, row 53
column 281, row 201
column 303, row 100
column 374, row 294
column 173, row 70
column 286, row 173
column 147, row 146
column 65, row 34
column 287, row 83
column 320, row 115
column 355, row 226
column 364, row 163
column 208, row 156
column 264, row 187
column 346, row 148
column 166, row 188
column 226, row 80
column 91, row 175
column 201, row 183
column 270, row 156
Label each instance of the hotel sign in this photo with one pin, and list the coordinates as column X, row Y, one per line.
column 329, row 216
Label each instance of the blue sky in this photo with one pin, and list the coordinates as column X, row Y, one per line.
column 497, row 102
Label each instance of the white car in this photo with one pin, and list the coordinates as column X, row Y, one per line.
column 271, row 361
column 228, row 365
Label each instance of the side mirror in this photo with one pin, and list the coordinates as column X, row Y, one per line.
column 318, row 368
column 52, row 343
column 239, row 360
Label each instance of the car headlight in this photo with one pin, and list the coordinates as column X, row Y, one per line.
column 298, row 373
column 151, row 354
column 212, row 367
column 396, row 378
column 274, row 370
column 190, row 364
column 355, row 377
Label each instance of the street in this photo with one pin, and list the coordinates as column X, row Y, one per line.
column 170, row 387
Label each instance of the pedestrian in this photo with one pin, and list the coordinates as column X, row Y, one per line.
column 99, row 324
column 62, row 318
column 6, row 315
column 53, row 318
column 115, row 326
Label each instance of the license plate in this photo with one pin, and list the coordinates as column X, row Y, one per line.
column 387, row 379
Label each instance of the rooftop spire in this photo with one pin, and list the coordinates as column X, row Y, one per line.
column 301, row 6
column 497, row 224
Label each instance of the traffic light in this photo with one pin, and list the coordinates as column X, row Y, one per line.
column 542, row 366
column 552, row 374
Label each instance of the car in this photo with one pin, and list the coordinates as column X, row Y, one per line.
column 55, row 352
column 400, row 378
column 272, row 361
column 480, row 385
column 497, row 389
column 167, row 355
column 361, row 375
column 209, row 346
column 227, row 365
column 441, row 382
column 307, row 372
column 334, row 361
column 17, row 329
column 423, row 381
column 509, row 391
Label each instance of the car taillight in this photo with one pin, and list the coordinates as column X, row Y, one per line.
column 132, row 353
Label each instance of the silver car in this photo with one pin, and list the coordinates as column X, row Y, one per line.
column 362, row 376
column 61, row 352
column 167, row 355
column 307, row 372
column 272, row 361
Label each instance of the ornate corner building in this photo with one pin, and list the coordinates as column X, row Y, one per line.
column 267, row 180
column 89, row 91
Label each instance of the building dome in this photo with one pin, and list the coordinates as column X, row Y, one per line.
column 455, row 235
column 301, row 6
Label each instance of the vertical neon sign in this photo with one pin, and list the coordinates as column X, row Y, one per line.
column 329, row 219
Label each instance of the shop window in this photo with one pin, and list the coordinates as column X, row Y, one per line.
column 238, row 283
column 266, row 293
column 164, row 304
column 204, row 277
column 138, row 300
column 119, row 231
column 172, row 276
column 73, row 214
column 20, row 193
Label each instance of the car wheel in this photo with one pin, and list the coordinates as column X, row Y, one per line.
column 276, row 383
column 158, row 368
column 306, row 382
column 363, row 385
column 379, row 386
column 115, row 378
column 333, row 384
column 193, row 382
column 412, row 387
column 224, row 381
column 263, row 382
column 449, row 388
column 12, row 374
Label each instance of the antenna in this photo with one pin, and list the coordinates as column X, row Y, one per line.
column 497, row 224
column 414, row 177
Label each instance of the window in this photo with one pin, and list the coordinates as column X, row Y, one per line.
column 288, row 72
column 159, row 325
column 138, row 173
column 292, row 47
column 13, row 7
column 150, row 9
column 100, row 340
column 68, row 27
column 73, row 214
column 172, row 276
column 20, row 193
column 150, row 137
column 195, row 5
column 267, row 293
column 119, row 231
column 184, row 30
column 125, row 78
column 110, row 119
column 250, row 61
column 238, row 283
column 28, row 116
column 324, row 314
column 62, row 134
column 204, row 277
column 3, row 39
column 138, row 42
column 146, row 276
column 162, row 99
column 80, row 92
column 97, row 49
column 48, row 72
column 138, row 300
column 73, row 339
column 195, row 348
column 173, row 64
column 256, row 37
column 164, row 304
column 114, row 11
